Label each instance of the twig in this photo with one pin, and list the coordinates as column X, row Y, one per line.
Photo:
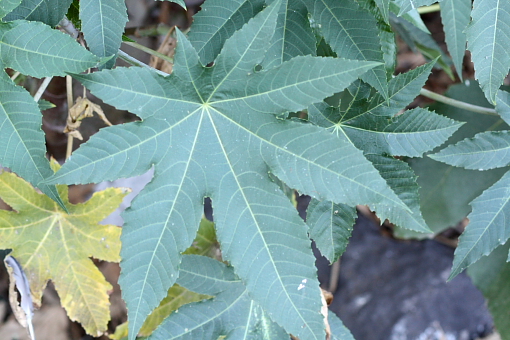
column 429, row 9
column 69, row 88
column 133, row 61
column 15, row 75
column 42, row 88
column 458, row 103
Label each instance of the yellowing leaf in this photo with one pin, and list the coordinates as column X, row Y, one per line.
column 51, row 244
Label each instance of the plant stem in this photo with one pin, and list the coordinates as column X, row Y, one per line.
column 429, row 9
column 149, row 51
column 69, row 88
column 15, row 75
column 42, row 88
column 133, row 61
column 458, row 103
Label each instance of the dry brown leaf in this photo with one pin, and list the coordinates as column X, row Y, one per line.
column 81, row 109
column 167, row 48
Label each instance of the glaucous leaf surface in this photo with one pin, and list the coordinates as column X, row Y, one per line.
column 51, row 244
column 455, row 16
column 49, row 12
column 491, row 275
column 489, row 225
column 217, row 131
column 330, row 227
column 338, row 330
column 407, row 5
column 231, row 313
column 217, row 21
column 102, row 24
column 444, row 195
column 6, row 6
column 21, row 49
column 349, row 30
column 178, row 2
column 488, row 36
column 21, row 137
column 485, row 151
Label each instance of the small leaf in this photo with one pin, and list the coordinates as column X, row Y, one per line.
column 330, row 227
column 487, row 36
column 488, row 225
column 21, row 50
column 53, row 245
column 22, row 146
column 6, row 6
column 455, row 16
column 49, row 12
column 102, row 23
column 488, row 150
column 338, row 330
column 45, row 105
column 503, row 105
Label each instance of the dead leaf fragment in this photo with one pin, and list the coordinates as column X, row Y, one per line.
column 167, row 48
column 82, row 108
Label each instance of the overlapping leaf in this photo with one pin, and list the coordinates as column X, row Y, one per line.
column 51, row 244
column 102, row 23
column 21, row 138
column 7, row 6
column 488, row 36
column 217, row 21
column 330, row 227
column 503, row 105
column 455, row 15
column 349, row 30
column 407, row 5
column 212, row 131
column 49, row 12
column 21, row 49
column 488, row 226
column 231, row 313
column 485, row 151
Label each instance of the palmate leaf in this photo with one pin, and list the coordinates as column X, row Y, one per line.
column 330, row 227
column 22, row 146
column 6, row 6
column 488, row 36
column 217, row 21
column 212, row 131
column 21, row 49
column 51, row 244
column 488, row 150
column 455, row 15
column 349, row 30
column 231, row 313
column 49, row 12
column 488, row 225
column 102, row 23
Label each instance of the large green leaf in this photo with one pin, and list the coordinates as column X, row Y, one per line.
column 503, row 105
column 49, row 12
column 491, row 275
column 488, row 36
column 330, row 227
column 292, row 37
column 409, row 134
column 349, row 30
column 444, row 194
column 232, row 313
column 6, row 6
column 217, row 21
column 408, row 5
column 21, row 49
column 212, row 131
column 455, row 15
column 485, row 151
column 102, row 23
column 22, row 146
column 488, row 226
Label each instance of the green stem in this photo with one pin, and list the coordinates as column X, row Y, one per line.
column 429, row 9
column 458, row 103
column 149, row 51
column 133, row 61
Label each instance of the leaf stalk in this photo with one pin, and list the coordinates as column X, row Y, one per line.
column 458, row 103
